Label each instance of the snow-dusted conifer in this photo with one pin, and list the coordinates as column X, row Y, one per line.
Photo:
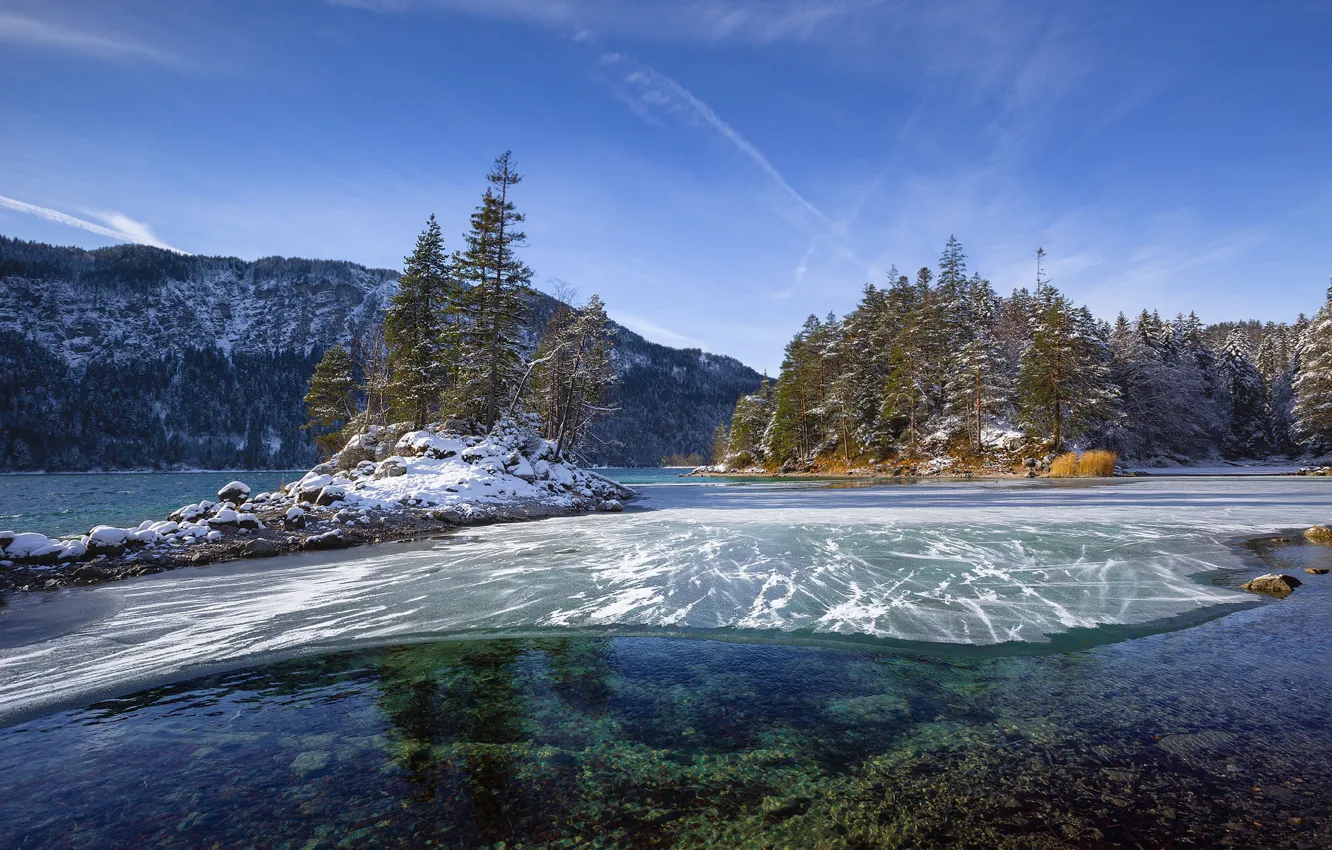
column 490, row 366
column 1064, row 386
column 977, row 386
column 1313, row 379
column 1246, row 433
column 330, row 401
column 414, row 328
column 573, row 372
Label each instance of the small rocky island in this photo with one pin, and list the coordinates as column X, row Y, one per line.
column 392, row 483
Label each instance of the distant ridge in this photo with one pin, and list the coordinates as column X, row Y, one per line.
column 138, row 357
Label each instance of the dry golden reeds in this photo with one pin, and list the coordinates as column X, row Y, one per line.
column 1097, row 463
column 1064, row 466
column 1093, row 464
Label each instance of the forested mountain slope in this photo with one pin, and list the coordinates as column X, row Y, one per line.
column 135, row 357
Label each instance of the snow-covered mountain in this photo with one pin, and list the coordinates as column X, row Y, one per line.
column 131, row 301
column 131, row 357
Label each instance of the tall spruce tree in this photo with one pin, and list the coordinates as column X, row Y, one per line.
column 330, row 399
column 749, row 424
column 491, row 361
column 419, row 357
column 1247, row 433
column 793, row 435
column 1313, row 379
column 977, row 387
column 1064, row 386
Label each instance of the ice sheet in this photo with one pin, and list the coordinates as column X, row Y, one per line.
column 955, row 563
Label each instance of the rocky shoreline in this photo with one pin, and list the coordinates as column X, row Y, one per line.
column 390, row 484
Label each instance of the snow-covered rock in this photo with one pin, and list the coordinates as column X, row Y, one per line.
column 31, row 545
column 391, row 467
column 105, row 535
column 358, row 449
column 226, row 516
column 331, row 493
column 189, row 513
column 523, row 469
column 309, row 487
column 613, row 506
column 236, row 491
column 508, row 472
column 429, row 444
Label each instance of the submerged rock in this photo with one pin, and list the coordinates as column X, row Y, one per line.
column 1319, row 534
column 1272, row 584
column 309, row 762
column 1316, row 571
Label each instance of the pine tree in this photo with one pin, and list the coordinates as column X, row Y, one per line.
column 330, row 401
column 415, row 328
column 1162, row 392
column 1246, row 434
column 903, row 408
column 749, row 425
column 793, row 435
column 1313, row 380
column 867, row 335
column 977, row 386
column 491, row 362
column 721, row 439
column 574, row 372
column 370, row 358
column 1064, row 387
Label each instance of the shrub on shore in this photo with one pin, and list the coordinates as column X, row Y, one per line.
column 1093, row 464
column 1096, row 464
column 1064, row 466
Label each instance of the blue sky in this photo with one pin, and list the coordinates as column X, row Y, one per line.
column 715, row 169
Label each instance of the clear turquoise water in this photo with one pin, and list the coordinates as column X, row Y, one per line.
column 71, row 503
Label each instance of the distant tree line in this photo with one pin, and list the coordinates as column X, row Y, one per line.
column 939, row 364
column 455, row 342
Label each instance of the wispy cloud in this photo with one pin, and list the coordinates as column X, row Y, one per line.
column 118, row 225
column 654, row 91
column 32, row 32
column 692, row 21
column 655, row 332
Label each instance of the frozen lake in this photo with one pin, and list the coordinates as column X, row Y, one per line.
column 1012, row 563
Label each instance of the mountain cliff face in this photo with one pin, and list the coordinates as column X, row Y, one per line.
column 135, row 357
